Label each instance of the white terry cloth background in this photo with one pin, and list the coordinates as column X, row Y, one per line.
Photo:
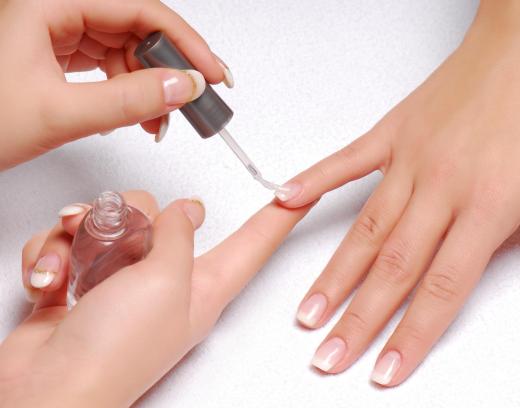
column 310, row 77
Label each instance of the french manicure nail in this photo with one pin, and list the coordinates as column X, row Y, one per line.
column 163, row 128
column 288, row 191
column 229, row 81
column 386, row 368
column 73, row 209
column 329, row 354
column 45, row 270
column 194, row 209
column 311, row 311
column 183, row 86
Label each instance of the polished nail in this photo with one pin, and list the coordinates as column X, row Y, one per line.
column 194, row 209
column 45, row 270
column 163, row 128
column 311, row 311
column 73, row 209
column 106, row 133
column 229, row 81
column 329, row 354
column 386, row 368
column 288, row 191
column 183, row 86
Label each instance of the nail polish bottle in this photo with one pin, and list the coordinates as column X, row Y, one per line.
column 111, row 236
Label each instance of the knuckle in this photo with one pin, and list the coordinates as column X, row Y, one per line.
column 131, row 102
column 443, row 284
column 367, row 229
column 354, row 322
column 334, row 276
column 393, row 265
column 409, row 336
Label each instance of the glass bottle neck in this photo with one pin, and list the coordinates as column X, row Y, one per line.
column 108, row 218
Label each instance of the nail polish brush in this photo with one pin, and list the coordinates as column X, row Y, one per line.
column 208, row 114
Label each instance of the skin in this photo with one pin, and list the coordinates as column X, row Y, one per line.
column 159, row 309
column 449, row 197
column 41, row 40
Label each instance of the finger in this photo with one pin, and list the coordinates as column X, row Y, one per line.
column 115, row 63
column 124, row 100
column 92, row 48
column 363, row 156
column 79, row 62
column 399, row 265
column 29, row 255
column 109, row 40
column 449, row 281
column 221, row 273
column 140, row 17
column 48, row 272
column 357, row 252
column 72, row 215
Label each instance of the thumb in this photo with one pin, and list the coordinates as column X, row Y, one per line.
column 173, row 239
column 127, row 99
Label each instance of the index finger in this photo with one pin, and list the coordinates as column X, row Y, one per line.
column 226, row 269
column 141, row 17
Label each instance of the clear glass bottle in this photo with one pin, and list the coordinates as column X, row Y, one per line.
column 111, row 236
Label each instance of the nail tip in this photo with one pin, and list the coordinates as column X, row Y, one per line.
column 321, row 365
column 379, row 379
column 305, row 321
column 163, row 128
column 199, row 83
column 70, row 210
column 198, row 200
column 229, row 80
column 41, row 280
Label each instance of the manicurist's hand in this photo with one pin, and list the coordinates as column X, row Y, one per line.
column 40, row 40
column 127, row 332
column 450, row 196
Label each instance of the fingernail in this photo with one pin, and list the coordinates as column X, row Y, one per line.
column 106, row 133
column 163, row 128
column 229, row 81
column 288, row 191
column 329, row 354
column 73, row 209
column 45, row 270
column 311, row 311
column 32, row 295
column 194, row 209
column 386, row 368
column 183, row 86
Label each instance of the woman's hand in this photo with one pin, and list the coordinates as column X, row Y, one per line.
column 449, row 197
column 42, row 39
column 127, row 332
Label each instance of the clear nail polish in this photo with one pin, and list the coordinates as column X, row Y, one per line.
column 111, row 236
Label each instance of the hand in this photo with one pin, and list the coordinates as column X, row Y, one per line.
column 42, row 39
column 128, row 331
column 449, row 197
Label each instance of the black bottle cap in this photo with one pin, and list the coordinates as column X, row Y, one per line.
column 208, row 114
